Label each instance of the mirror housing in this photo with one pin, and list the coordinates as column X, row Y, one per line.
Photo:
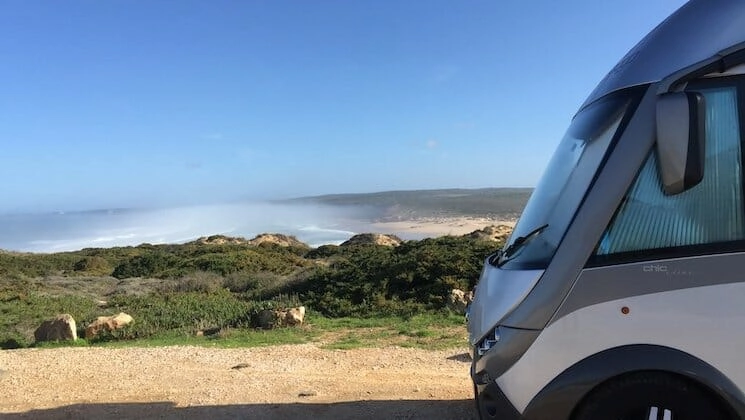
column 681, row 140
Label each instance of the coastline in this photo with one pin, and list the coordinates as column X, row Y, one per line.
column 70, row 233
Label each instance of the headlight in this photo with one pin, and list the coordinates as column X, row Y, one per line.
column 488, row 342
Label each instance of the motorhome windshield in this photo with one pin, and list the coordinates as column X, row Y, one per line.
column 570, row 172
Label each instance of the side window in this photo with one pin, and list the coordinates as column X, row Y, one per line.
column 710, row 212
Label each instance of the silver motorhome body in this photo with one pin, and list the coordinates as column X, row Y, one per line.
column 697, row 32
column 578, row 299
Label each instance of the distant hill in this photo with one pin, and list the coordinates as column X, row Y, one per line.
column 392, row 205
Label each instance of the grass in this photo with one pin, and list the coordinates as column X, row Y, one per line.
column 227, row 338
column 432, row 331
column 20, row 314
column 174, row 319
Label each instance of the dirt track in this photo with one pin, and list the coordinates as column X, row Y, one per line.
column 300, row 381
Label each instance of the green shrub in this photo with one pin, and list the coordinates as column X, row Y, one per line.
column 93, row 266
column 324, row 251
column 186, row 311
column 241, row 281
column 153, row 264
column 199, row 281
column 208, row 286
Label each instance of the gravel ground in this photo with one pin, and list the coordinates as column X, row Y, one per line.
column 295, row 381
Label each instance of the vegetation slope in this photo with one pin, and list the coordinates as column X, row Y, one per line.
column 219, row 283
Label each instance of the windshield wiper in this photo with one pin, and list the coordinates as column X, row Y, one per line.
column 519, row 243
column 494, row 258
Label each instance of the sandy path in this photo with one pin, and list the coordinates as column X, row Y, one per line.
column 301, row 381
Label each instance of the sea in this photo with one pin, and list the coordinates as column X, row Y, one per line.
column 69, row 231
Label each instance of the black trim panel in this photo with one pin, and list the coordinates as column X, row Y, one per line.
column 648, row 255
column 696, row 156
column 491, row 403
column 564, row 393
column 719, row 63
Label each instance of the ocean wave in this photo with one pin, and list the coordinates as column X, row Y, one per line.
column 326, row 230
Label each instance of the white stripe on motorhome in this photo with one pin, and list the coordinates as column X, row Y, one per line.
column 694, row 320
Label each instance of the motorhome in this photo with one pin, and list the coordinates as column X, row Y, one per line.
column 621, row 291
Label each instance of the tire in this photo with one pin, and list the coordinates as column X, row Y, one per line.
column 650, row 396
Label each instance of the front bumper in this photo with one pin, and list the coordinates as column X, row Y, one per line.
column 493, row 404
column 490, row 400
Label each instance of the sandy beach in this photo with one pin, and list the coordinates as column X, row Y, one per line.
column 438, row 226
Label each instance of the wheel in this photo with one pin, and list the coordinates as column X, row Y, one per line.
column 650, row 396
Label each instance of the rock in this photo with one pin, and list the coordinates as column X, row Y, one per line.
column 267, row 319
column 373, row 239
column 459, row 300
column 108, row 324
column 10, row 344
column 62, row 328
column 219, row 240
column 211, row 331
column 277, row 239
column 497, row 233
column 262, row 239
column 295, row 316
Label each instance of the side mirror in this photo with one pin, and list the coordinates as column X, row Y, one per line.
column 681, row 121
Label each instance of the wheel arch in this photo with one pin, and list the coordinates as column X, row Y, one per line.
column 569, row 389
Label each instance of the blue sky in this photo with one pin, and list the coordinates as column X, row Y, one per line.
column 151, row 103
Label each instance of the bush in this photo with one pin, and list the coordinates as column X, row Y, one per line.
column 240, row 281
column 200, row 282
column 209, row 286
column 186, row 312
column 153, row 264
column 93, row 266
column 323, row 251
column 256, row 283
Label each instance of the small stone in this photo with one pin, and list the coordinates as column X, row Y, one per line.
column 241, row 366
column 307, row 394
